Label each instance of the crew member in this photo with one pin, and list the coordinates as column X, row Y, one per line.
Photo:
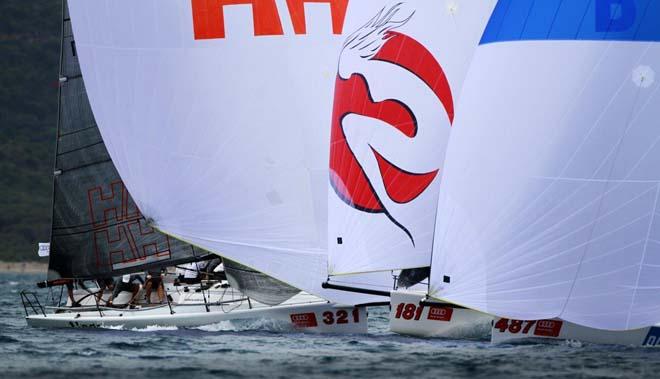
column 129, row 283
column 155, row 279
column 104, row 284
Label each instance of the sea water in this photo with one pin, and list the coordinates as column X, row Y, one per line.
column 266, row 349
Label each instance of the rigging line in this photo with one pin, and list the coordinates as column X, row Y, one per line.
column 358, row 283
column 600, row 206
column 529, row 11
column 549, row 231
column 655, row 142
column 444, row 239
column 199, row 275
column 554, row 19
column 625, row 181
column 566, row 166
column 641, row 262
column 577, row 190
column 570, row 160
column 95, row 229
column 92, row 223
column 59, row 118
column 86, row 165
column 81, row 148
column 508, row 208
column 72, row 77
column 584, row 16
column 506, row 12
column 537, row 273
column 507, row 255
column 78, row 131
column 242, row 270
column 639, row 26
column 353, row 220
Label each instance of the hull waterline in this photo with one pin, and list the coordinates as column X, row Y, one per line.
column 409, row 316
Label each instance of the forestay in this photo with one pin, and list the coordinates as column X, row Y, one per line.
column 233, row 100
column 97, row 229
column 550, row 196
column 399, row 77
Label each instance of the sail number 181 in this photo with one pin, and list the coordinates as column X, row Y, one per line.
column 409, row 311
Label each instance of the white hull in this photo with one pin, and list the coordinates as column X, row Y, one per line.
column 303, row 312
column 408, row 317
column 461, row 323
column 505, row 330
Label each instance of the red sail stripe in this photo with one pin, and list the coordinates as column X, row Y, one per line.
column 413, row 56
column 352, row 96
column 402, row 186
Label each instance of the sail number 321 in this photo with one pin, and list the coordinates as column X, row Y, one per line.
column 340, row 317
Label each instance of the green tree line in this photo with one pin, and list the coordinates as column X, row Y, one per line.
column 29, row 63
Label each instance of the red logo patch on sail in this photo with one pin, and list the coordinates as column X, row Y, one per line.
column 353, row 96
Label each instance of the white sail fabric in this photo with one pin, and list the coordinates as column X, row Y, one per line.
column 232, row 99
column 549, row 203
column 399, row 77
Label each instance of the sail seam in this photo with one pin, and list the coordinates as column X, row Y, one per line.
column 616, row 152
column 641, row 262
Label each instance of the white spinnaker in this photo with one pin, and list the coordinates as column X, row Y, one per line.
column 383, row 240
column 240, row 124
column 549, row 203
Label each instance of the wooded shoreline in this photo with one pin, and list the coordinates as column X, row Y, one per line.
column 24, row 267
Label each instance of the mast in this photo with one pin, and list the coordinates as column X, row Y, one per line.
column 64, row 13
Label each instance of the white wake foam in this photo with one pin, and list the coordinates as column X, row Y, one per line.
column 154, row 328
column 112, row 327
column 268, row 325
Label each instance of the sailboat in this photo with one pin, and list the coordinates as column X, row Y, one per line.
column 399, row 79
column 547, row 215
column 99, row 232
column 232, row 101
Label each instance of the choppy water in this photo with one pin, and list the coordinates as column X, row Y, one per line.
column 262, row 349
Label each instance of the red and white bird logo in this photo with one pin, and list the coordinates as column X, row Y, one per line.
column 393, row 107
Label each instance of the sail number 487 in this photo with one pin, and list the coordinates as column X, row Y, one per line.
column 514, row 326
column 542, row 328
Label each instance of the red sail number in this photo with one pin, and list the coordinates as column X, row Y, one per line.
column 409, row 311
column 340, row 317
column 544, row 328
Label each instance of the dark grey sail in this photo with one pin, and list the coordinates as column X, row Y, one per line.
column 410, row 277
column 97, row 231
column 256, row 285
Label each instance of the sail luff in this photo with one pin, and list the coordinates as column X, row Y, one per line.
column 59, row 117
